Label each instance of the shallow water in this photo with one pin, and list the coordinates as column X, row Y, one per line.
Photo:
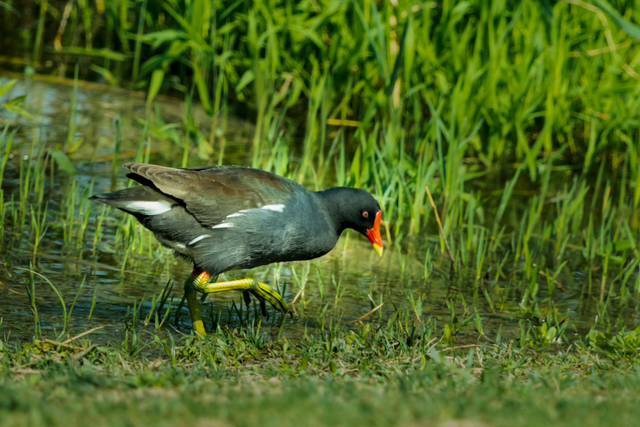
column 102, row 267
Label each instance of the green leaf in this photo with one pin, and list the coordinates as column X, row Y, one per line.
column 409, row 47
column 100, row 53
column 158, row 37
column 399, row 59
column 8, row 85
column 354, row 179
column 626, row 26
column 246, row 78
column 156, row 83
column 13, row 106
column 106, row 74
column 296, row 89
column 17, row 100
column 9, row 8
column 7, row 149
column 379, row 53
column 187, row 27
column 63, row 161
column 202, row 88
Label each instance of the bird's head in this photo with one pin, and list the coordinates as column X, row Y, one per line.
column 358, row 210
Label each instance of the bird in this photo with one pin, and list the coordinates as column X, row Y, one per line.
column 229, row 217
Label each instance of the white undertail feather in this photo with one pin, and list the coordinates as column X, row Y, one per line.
column 145, row 208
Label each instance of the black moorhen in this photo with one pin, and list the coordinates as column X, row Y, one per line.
column 231, row 217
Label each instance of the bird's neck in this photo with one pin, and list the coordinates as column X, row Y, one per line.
column 335, row 202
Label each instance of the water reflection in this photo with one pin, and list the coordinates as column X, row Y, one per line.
column 96, row 109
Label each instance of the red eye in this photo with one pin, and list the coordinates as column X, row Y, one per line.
column 365, row 214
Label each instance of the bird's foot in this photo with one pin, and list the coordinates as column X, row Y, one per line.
column 263, row 293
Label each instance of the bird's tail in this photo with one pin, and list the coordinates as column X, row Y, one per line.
column 137, row 200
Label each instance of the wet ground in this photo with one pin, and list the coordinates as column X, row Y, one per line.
column 105, row 266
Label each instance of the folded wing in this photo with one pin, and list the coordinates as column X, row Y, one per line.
column 211, row 194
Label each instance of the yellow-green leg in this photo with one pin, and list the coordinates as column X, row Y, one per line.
column 199, row 282
column 192, row 303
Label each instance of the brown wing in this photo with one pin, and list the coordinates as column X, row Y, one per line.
column 212, row 193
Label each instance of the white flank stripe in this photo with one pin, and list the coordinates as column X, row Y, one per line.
column 277, row 208
column 234, row 215
column 145, row 208
column 197, row 239
column 224, row 225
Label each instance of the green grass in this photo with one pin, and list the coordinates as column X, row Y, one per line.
column 342, row 378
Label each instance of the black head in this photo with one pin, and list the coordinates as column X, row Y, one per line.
column 356, row 209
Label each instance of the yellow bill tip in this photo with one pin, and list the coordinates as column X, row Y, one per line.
column 378, row 249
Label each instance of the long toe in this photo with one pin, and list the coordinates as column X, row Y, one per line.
column 261, row 300
column 264, row 292
column 247, row 298
column 263, row 308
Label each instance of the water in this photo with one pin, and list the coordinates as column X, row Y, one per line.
column 110, row 270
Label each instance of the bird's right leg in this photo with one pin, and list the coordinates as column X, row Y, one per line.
column 196, row 279
column 264, row 293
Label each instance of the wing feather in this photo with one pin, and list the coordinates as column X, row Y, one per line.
column 210, row 194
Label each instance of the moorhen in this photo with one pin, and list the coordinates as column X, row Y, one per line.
column 231, row 217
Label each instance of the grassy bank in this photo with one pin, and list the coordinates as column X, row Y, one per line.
column 338, row 378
